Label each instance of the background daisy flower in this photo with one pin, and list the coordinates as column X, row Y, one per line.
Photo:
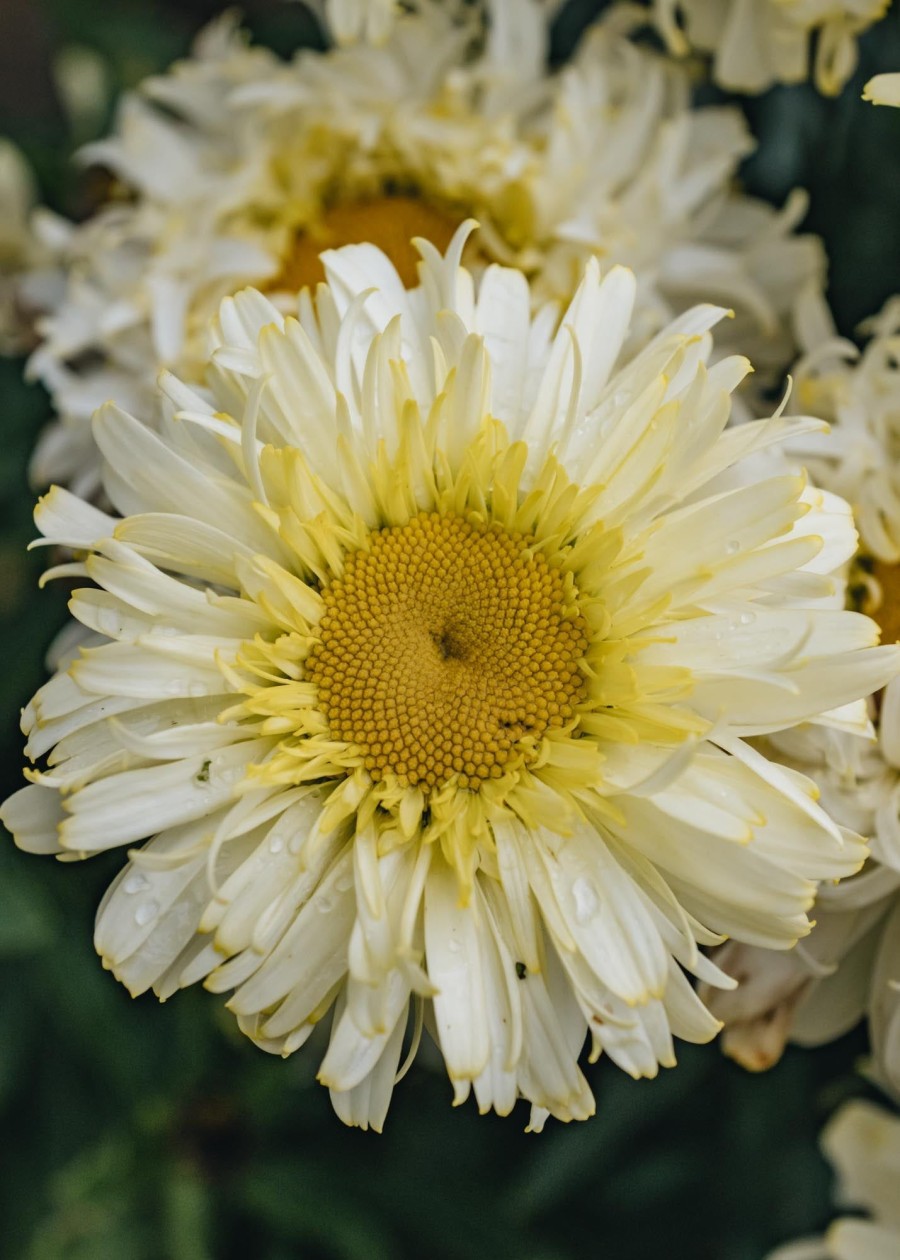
column 862, row 1143
column 850, row 966
column 237, row 168
column 756, row 43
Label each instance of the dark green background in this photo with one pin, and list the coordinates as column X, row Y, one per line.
column 132, row 1131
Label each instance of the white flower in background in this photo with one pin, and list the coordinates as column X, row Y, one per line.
column 862, row 1142
column 859, row 395
column 25, row 279
column 348, row 21
column 756, row 43
column 848, row 968
column 850, row 965
column 239, row 168
column 884, row 89
column 426, row 649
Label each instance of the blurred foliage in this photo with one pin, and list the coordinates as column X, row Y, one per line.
column 139, row 1132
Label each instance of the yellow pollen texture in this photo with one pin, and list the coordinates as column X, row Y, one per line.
column 443, row 645
column 389, row 222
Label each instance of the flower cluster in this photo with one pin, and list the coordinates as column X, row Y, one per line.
column 460, row 642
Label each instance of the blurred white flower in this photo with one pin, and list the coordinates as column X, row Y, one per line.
column 26, row 278
column 426, row 651
column 862, row 1142
column 756, row 43
column 849, row 967
column 348, row 21
column 237, row 168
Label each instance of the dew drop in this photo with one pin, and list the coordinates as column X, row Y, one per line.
column 747, row 618
column 732, row 548
column 276, row 844
column 323, row 905
column 108, row 622
column 453, row 945
column 344, row 883
column 145, row 912
column 585, row 899
column 135, row 884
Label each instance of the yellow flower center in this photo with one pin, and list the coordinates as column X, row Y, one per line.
column 446, row 649
column 390, row 222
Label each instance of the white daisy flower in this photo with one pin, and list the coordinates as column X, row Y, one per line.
column 859, row 394
column 862, row 1142
column 26, row 280
column 348, row 21
column 240, row 169
column 756, row 43
column 849, row 968
column 427, row 646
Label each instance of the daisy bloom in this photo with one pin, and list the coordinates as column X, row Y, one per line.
column 883, row 89
column 348, row 21
column 862, row 1142
column 24, row 278
column 757, row 43
column 236, row 168
column 849, row 968
column 427, row 643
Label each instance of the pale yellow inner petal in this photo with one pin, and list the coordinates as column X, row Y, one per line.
column 444, row 647
column 390, row 222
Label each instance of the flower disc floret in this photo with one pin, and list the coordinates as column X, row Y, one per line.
column 444, row 646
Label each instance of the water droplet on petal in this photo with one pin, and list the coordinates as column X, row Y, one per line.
column 135, row 884
column 732, row 548
column 145, row 912
column 323, row 905
column 108, row 622
column 747, row 618
column 276, row 844
column 453, row 945
column 585, row 897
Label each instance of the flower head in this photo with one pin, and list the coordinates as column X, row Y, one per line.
column 23, row 276
column 848, row 968
column 862, row 1142
column 241, row 169
column 350, row 20
column 426, row 646
column 756, row 43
